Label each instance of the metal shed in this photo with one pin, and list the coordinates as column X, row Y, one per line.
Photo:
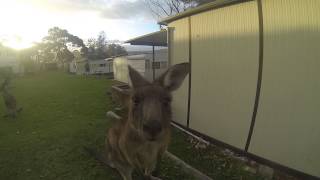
column 254, row 84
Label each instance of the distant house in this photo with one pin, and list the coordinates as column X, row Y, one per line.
column 9, row 61
column 143, row 63
column 103, row 66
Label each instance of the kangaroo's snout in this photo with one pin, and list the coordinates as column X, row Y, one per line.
column 152, row 128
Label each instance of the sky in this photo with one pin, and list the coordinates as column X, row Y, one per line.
column 26, row 21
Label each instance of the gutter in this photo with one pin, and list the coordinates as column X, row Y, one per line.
column 206, row 7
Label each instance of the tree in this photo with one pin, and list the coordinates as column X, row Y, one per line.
column 57, row 41
column 97, row 48
column 164, row 8
column 91, row 45
column 100, row 48
column 116, row 50
column 30, row 58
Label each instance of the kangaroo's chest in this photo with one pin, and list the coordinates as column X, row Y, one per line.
column 147, row 155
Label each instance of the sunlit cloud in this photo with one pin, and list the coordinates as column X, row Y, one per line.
column 30, row 19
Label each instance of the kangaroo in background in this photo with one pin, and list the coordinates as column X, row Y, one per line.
column 139, row 141
column 9, row 100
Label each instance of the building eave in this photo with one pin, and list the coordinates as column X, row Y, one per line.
column 206, row 7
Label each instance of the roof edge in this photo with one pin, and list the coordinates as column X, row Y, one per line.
column 206, row 7
column 145, row 35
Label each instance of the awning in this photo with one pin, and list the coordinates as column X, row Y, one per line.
column 158, row 38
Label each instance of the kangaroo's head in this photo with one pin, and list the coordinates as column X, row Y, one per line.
column 150, row 105
column 4, row 84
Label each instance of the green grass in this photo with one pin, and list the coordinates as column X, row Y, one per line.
column 214, row 162
column 210, row 160
column 61, row 114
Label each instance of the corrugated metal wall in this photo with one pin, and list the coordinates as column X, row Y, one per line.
column 288, row 119
column 224, row 72
column 225, row 63
column 179, row 38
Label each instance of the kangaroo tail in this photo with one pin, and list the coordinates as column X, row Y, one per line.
column 97, row 156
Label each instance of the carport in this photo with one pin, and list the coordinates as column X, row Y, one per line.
column 154, row 39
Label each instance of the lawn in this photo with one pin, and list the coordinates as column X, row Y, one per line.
column 210, row 160
column 61, row 114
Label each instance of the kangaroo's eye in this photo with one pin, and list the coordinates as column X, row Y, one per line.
column 136, row 100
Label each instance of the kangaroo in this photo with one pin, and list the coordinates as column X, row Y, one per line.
column 140, row 140
column 9, row 100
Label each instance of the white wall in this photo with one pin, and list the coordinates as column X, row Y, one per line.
column 138, row 62
column 288, row 118
column 225, row 53
column 225, row 62
column 179, row 53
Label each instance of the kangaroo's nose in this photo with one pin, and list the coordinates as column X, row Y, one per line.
column 153, row 127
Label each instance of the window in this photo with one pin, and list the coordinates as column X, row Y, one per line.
column 156, row 65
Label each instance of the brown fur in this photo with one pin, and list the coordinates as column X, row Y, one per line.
column 139, row 141
column 9, row 100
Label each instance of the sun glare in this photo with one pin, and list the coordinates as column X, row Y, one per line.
column 18, row 45
column 24, row 22
column 18, row 29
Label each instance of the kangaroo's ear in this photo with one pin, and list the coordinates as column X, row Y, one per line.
column 174, row 76
column 136, row 79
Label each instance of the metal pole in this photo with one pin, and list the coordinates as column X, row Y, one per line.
column 153, row 59
column 169, row 32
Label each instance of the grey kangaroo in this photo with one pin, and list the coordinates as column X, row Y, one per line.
column 9, row 100
column 139, row 141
